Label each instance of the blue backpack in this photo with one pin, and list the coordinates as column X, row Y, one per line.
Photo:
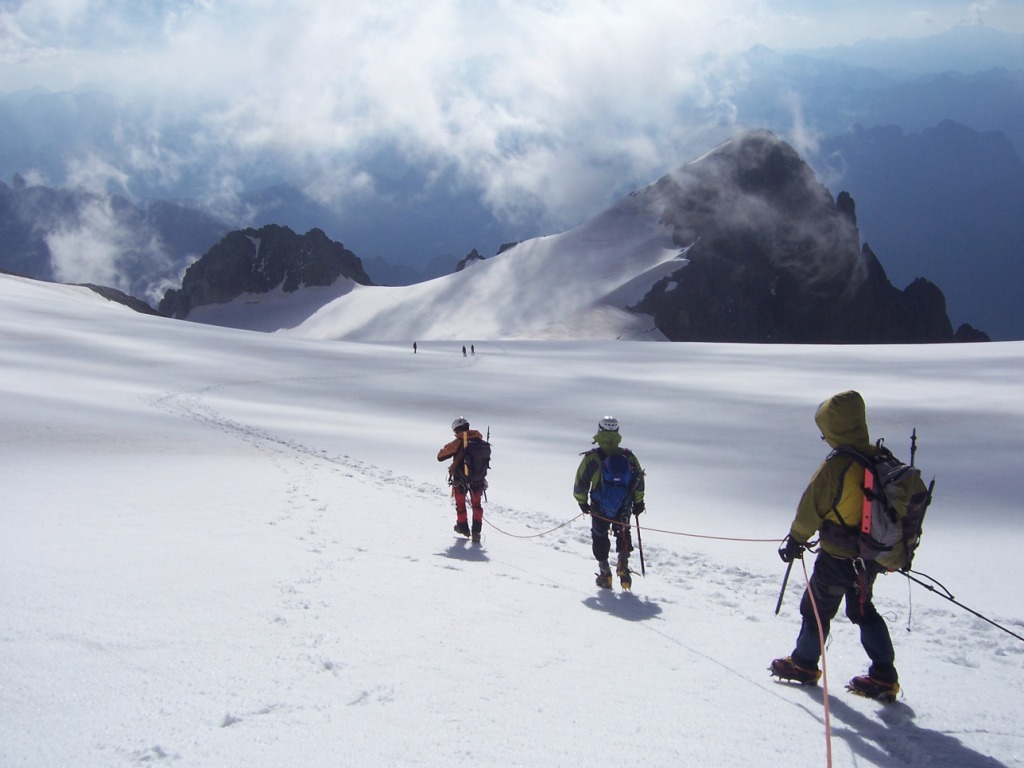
column 613, row 495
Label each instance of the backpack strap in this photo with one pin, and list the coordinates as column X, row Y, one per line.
column 839, row 532
column 462, row 453
column 842, row 483
column 869, row 486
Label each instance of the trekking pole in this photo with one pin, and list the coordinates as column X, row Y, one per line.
column 947, row 595
column 913, row 445
column 782, row 592
column 639, row 542
column 488, row 441
column 640, row 546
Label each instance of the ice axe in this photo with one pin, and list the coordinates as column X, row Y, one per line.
column 782, row 592
column 640, row 547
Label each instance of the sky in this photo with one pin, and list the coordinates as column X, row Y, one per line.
column 225, row 548
column 530, row 103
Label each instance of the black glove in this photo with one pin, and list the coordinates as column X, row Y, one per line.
column 584, row 508
column 638, row 508
column 791, row 550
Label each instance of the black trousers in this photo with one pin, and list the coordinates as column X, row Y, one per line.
column 599, row 530
column 835, row 579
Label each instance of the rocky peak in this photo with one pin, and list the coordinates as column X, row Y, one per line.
column 471, row 257
column 772, row 258
column 258, row 261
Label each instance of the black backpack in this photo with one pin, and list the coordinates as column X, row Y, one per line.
column 477, row 457
column 895, row 502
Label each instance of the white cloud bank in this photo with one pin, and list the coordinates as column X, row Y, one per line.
column 535, row 103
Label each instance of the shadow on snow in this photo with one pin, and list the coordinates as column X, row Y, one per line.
column 464, row 549
column 897, row 736
column 623, row 605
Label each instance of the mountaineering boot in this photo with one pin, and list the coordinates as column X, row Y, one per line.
column 871, row 688
column 787, row 669
column 604, row 576
column 462, row 529
column 625, row 578
column 477, row 525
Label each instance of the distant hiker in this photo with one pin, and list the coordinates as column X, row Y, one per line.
column 610, row 487
column 470, row 455
column 414, row 347
column 837, row 489
column 472, row 349
column 463, row 350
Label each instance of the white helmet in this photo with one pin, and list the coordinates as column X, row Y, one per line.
column 460, row 423
column 608, row 424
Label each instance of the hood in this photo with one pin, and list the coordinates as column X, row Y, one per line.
column 842, row 421
column 608, row 441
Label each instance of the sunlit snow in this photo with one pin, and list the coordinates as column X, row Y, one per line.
column 228, row 548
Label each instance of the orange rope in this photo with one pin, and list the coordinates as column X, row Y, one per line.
column 532, row 535
column 716, row 538
column 622, row 523
column 680, row 533
column 824, row 668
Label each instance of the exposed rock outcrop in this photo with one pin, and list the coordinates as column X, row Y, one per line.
column 258, row 261
column 772, row 258
column 470, row 258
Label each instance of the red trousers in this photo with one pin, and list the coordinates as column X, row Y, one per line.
column 460, row 504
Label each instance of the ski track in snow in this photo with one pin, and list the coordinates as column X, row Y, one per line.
column 891, row 737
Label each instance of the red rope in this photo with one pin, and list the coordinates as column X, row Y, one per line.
column 824, row 668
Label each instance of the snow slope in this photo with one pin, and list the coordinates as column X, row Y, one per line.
column 225, row 548
column 575, row 285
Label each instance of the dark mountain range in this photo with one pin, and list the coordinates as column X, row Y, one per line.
column 986, row 101
column 256, row 261
column 947, row 203
column 966, row 48
column 794, row 93
column 76, row 236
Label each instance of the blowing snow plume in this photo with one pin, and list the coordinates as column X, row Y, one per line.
column 755, row 187
column 773, row 258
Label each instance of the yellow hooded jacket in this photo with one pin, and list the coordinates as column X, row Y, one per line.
column 842, row 421
column 588, row 475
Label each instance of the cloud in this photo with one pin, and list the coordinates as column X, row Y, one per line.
column 89, row 250
column 545, row 106
column 95, row 174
